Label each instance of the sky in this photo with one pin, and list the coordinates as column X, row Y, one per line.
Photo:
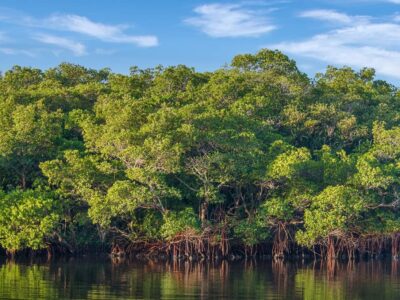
column 202, row 34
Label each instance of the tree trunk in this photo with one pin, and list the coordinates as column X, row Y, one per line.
column 203, row 213
column 23, row 181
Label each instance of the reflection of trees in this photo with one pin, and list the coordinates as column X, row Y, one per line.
column 22, row 282
column 88, row 279
column 374, row 279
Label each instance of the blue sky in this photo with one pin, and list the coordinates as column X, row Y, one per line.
column 203, row 34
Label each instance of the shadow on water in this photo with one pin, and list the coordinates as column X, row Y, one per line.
column 102, row 278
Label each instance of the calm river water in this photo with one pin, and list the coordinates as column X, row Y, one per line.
column 101, row 278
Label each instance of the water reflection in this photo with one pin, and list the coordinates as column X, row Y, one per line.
column 101, row 278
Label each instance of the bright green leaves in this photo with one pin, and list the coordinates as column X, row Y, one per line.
column 28, row 135
column 282, row 74
column 72, row 75
column 34, row 128
column 340, row 109
column 357, row 185
column 287, row 164
column 27, row 219
column 19, row 78
column 121, row 200
column 280, row 208
column 333, row 212
column 176, row 222
column 305, row 186
column 372, row 174
column 78, row 175
column 379, row 168
column 386, row 142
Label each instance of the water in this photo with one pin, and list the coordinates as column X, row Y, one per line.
column 101, row 278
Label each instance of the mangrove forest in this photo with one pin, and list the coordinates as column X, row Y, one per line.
column 255, row 158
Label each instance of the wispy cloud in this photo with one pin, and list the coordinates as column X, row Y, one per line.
column 104, row 32
column 355, row 44
column 328, row 15
column 12, row 51
column 80, row 27
column 230, row 20
column 75, row 47
column 4, row 49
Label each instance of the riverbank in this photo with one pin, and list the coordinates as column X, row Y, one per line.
column 194, row 250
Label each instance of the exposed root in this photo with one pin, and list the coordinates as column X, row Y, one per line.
column 214, row 244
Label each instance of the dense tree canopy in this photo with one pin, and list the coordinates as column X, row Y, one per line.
column 253, row 154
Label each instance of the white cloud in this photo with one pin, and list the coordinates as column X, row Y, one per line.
column 229, row 20
column 75, row 47
column 394, row 1
column 104, row 32
column 81, row 25
column 358, row 45
column 327, row 15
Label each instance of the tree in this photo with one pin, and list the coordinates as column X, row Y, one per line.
column 28, row 219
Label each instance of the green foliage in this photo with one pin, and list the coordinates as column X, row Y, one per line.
column 279, row 208
column 287, row 164
column 251, row 231
column 27, row 219
column 334, row 211
column 158, row 152
column 179, row 222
